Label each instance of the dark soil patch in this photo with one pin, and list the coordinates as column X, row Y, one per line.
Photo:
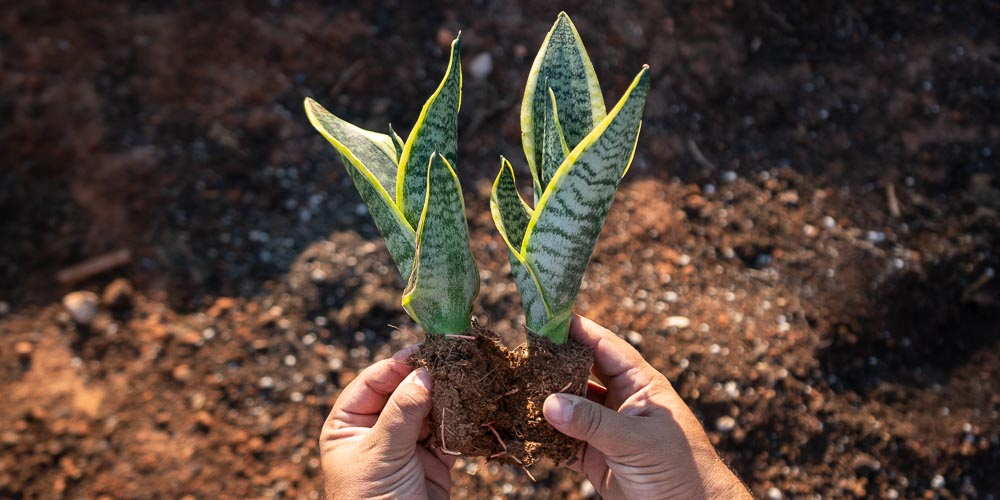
column 488, row 398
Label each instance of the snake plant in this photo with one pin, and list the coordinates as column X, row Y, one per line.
column 577, row 153
column 415, row 199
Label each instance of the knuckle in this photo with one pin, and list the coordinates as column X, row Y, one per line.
column 409, row 403
column 592, row 420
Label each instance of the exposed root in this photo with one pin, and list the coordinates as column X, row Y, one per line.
column 463, row 337
column 497, row 434
column 444, row 447
column 528, row 472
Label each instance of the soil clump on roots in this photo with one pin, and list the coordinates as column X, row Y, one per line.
column 488, row 398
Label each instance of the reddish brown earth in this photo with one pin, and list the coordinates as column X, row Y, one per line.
column 806, row 244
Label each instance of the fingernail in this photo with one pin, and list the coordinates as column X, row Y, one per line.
column 422, row 378
column 404, row 355
column 558, row 409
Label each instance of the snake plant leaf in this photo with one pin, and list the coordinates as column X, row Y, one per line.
column 511, row 215
column 436, row 130
column 370, row 161
column 562, row 64
column 562, row 232
column 398, row 142
column 445, row 279
column 554, row 148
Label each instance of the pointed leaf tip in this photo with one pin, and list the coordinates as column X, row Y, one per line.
column 445, row 279
column 562, row 63
column 436, row 130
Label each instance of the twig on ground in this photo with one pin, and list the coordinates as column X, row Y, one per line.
column 94, row 266
column 698, row 157
column 890, row 195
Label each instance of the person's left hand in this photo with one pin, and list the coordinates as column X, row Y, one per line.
column 371, row 444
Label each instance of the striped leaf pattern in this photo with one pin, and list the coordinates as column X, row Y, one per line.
column 416, row 202
column 563, row 65
column 445, row 279
column 371, row 164
column 554, row 148
column 436, row 130
column 563, row 230
column 511, row 215
column 399, row 143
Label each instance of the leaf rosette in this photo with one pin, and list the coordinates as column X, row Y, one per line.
column 577, row 153
column 415, row 199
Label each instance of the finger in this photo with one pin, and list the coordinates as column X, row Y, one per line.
column 364, row 397
column 397, row 430
column 616, row 363
column 602, row 428
column 437, row 469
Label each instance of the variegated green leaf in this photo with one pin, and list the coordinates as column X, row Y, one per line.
column 554, row 148
column 562, row 64
column 511, row 215
column 370, row 161
column 398, row 142
column 567, row 221
column 445, row 279
column 375, row 151
column 436, row 130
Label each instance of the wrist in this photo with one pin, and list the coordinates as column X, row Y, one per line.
column 719, row 481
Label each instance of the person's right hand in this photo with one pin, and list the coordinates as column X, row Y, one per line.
column 642, row 441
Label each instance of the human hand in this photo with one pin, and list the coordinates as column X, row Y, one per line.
column 642, row 441
column 370, row 446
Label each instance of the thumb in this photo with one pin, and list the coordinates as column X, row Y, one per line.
column 583, row 419
column 397, row 430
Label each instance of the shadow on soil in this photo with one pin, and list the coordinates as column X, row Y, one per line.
column 925, row 323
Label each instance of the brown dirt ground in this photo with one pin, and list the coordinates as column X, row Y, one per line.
column 806, row 244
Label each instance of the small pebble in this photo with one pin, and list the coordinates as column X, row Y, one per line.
column 774, row 494
column 265, row 383
column 4, row 308
column 678, row 322
column 481, row 66
column 633, row 337
column 204, row 419
column 725, row 424
column 937, row 481
column 182, row 373
column 81, row 305
column 118, row 294
column 731, row 389
column 24, row 349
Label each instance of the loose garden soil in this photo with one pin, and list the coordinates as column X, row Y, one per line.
column 806, row 244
